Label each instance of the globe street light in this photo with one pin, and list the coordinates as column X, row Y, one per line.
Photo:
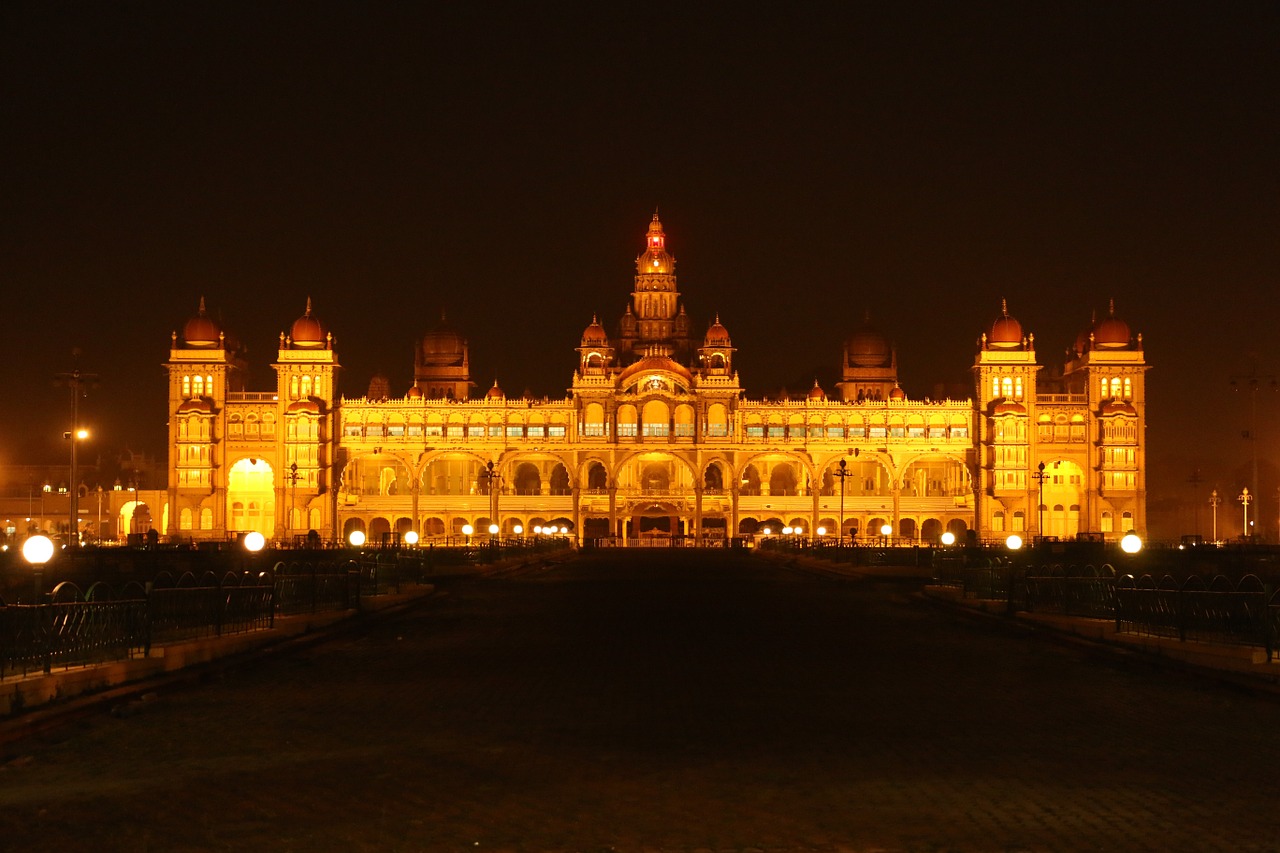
column 1131, row 543
column 356, row 538
column 411, row 538
column 948, row 538
column 37, row 551
column 254, row 541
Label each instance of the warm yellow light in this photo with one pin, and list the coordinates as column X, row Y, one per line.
column 766, row 531
column 799, row 531
column 822, row 531
column 37, row 550
column 82, row 434
column 467, row 530
column 537, row 528
column 787, row 531
column 254, row 541
column 948, row 538
column 411, row 537
column 1014, row 542
column 886, row 530
column 493, row 530
column 1131, row 543
column 356, row 538
column 518, row 529
column 564, row 530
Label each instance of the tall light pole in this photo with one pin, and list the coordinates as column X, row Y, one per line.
column 842, row 471
column 293, row 495
column 77, row 381
column 1039, row 476
column 1245, row 498
column 1253, row 381
column 1215, row 502
column 495, row 480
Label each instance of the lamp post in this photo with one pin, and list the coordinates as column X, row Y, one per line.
column 495, row 484
column 1214, row 502
column 1039, row 476
column 77, row 382
column 842, row 471
column 1245, row 498
column 293, row 496
column 1253, row 381
column 37, row 551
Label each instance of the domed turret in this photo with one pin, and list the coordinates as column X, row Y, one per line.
column 495, row 393
column 414, row 393
column 307, row 332
column 1006, row 331
column 816, row 392
column 897, row 393
column 201, row 332
column 594, row 334
column 443, row 345
column 717, row 335
column 868, row 347
column 1111, row 332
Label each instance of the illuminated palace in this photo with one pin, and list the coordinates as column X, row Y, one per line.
column 656, row 438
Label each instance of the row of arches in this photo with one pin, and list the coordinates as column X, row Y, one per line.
column 656, row 472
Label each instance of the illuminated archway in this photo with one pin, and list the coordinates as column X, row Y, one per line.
column 251, row 501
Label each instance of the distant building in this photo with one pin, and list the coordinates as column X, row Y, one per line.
column 656, row 438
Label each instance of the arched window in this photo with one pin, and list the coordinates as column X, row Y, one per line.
column 186, row 386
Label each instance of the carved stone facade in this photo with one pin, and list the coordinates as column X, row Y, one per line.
column 657, row 439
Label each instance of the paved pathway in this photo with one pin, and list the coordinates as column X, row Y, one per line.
column 665, row 703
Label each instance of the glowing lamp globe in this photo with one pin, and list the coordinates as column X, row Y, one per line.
column 254, row 541
column 1131, row 543
column 886, row 530
column 518, row 529
column 822, row 531
column 948, row 538
column 787, row 531
column 467, row 530
column 356, row 538
column 1014, row 542
column 765, row 531
column 799, row 531
column 411, row 538
column 493, row 530
column 37, row 550
column 537, row 528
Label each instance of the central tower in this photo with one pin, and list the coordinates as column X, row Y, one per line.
column 655, row 322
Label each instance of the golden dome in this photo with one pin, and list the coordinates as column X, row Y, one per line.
column 594, row 335
column 868, row 347
column 1111, row 332
column 201, row 331
column 897, row 394
column 442, row 345
column 495, row 393
column 717, row 335
column 1006, row 331
column 816, row 392
column 307, row 332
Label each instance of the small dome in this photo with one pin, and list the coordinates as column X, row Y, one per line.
column 307, row 332
column 495, row 393
column 897, row 394
column 816, row 392
column 442, row 345
column 303, row 407
column 201, row 331
column 1111, row 332
column 414, row 393
column 594, row 335
column 1006, row 331
column 717, row 335
column 868, row 347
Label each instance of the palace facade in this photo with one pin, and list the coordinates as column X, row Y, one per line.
column 656, row 438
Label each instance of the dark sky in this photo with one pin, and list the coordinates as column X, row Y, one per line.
column 501, row 163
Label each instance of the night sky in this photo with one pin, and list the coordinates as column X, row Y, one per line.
column 810, row 162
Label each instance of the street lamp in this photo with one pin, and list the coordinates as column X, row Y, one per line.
column 886, row 530
column 37, row 551
column 77, row 382
column 948, row 538
column 1245, row 498
column 1131, row 543
column 1014, row 542
column 255, row 541
column 842, row 471
column 1039, row 476
column 293, row 495
column 495, row 481
column 1215, row 502
column 356, row 538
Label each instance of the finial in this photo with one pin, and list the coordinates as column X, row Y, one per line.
column 308, row 314
column 1004, row 306
column 202, row 312
column 1113, row 307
